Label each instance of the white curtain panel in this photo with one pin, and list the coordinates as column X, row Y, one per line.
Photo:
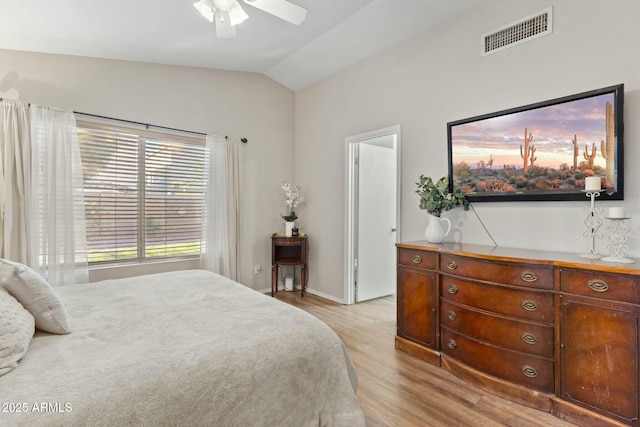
column 14, row 179
column 223, row 207
column 57, row 247
column 235, row 170
column 215, row 230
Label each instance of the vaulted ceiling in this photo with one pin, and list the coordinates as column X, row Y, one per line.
column 335, row 34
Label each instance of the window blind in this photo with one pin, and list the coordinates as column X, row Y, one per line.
column 143, row 193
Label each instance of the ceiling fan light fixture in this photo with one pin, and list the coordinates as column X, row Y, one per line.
column 205, row 7
column 225, row 5
column 224, row 29
column 228, row 13
column 237, row 15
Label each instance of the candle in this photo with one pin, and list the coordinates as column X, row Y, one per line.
column 617, row 212
column 593, row 183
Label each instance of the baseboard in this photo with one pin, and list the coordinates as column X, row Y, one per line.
column 268, row 290
column 325, row 296
column 307, row 290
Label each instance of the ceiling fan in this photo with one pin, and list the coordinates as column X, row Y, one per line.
column 228, row 13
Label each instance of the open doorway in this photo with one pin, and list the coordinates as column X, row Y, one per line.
column 372, row 219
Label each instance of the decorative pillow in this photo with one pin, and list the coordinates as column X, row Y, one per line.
column 16, row 330
column 36, row 295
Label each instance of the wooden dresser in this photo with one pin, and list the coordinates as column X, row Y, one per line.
column 549, row 330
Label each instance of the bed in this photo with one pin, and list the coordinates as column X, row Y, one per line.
column 187, row 348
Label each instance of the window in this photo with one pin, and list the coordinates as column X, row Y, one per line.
column 143, row 193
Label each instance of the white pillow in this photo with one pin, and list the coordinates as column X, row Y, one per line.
column 16, row 330
column 36, row 295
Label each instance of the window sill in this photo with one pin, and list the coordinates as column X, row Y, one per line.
column 122, row 270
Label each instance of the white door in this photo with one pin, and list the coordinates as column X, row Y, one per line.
column 372, row 223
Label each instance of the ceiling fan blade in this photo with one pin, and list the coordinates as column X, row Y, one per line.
column 283, row 9
column 205, row 7
column 237, row 15
column 224, row 29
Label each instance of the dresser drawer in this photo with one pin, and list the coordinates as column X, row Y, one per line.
column 519, row 368
column 534, row 276
column 517, row 335
column 525, row 304
column 601, row 285
column 417, row 258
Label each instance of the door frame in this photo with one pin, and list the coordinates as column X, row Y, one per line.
column 351, row 211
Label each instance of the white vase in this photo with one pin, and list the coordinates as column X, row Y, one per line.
column 436, row 230
column 288, row 228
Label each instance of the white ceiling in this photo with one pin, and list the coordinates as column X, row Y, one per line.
column 335, row 35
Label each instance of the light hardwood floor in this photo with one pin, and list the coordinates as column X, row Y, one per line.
column 396, row 389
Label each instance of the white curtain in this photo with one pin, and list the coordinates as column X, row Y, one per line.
column 215, row 231
column 235, row 170
column 14, row 179
column 41, row 194
column 222, row 213
column 57, row 247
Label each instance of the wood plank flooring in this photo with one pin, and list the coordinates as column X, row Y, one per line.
column 396, row 389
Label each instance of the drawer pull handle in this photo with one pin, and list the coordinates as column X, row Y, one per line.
column 529, row 305
column 451, row 265
column 528, row 276
column 452, row 289
column 598, row 285
column 529, row 371
column 529, row 338
column 451, row 315
column 416, row 259
column 452, row 344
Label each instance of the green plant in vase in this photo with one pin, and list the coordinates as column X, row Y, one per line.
column 436, row 198
column 290, row 217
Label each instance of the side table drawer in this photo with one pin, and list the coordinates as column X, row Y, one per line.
column 288, row 241
column 519, row 335
column 526, row 370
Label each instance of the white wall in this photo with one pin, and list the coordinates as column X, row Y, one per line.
column 438, row 77
column 211, row 101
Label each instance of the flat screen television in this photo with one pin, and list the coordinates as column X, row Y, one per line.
column 541, row 151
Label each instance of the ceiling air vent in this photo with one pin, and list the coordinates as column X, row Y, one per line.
column 531, row 27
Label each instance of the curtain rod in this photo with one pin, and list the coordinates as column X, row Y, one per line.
column 147, row 125
column 244, row 140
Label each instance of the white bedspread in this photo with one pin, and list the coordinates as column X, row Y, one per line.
column 186, row 348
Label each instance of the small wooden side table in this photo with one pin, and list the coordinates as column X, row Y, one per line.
column 288, row 251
